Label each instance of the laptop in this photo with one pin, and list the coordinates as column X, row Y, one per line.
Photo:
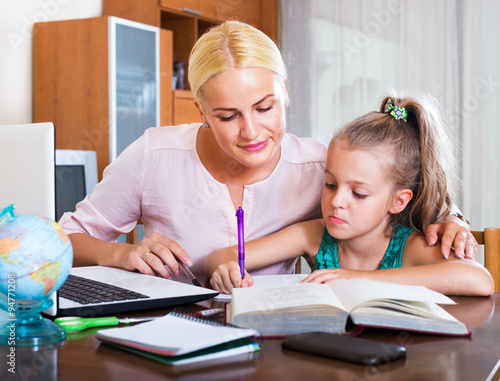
column 26, row 165
column 109, row 290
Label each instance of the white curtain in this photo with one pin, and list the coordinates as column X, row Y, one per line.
column 480, row 112
column 343, row 55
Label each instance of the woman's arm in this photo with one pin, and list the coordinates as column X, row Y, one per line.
column 425, row 266
column 222, row 265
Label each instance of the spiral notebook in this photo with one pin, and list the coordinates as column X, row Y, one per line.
column 181, row 338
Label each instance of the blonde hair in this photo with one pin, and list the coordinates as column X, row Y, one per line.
column 231, row 45
column 415, row 154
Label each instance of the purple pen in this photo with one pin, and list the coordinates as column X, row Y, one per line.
column 241, row 241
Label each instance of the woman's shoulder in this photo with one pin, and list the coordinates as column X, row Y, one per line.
column 173, row 138
column 182, row 137
column 303, row 150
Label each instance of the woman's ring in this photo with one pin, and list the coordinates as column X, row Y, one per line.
column 145, row 255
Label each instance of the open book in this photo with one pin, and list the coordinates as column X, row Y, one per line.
column 304, row 307
column 181, row 338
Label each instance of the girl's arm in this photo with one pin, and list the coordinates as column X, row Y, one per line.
column 425, row 266
column 293, row 241
column 455, row 276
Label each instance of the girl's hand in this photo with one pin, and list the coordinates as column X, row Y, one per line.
column 227, row 276
column 453, row 233
column 329, row 276
column 154, row 254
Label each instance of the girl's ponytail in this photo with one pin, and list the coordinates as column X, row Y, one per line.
column 409, row 140
column 432, row 198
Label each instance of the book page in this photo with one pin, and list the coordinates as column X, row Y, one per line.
column 355, row 292
column 423, row 309
column 277, row 280
column 260, row 299
column 267, row 281
column 437, row 320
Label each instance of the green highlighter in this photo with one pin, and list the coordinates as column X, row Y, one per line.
column 75, row 324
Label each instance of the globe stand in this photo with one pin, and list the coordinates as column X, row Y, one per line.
column 26, row 326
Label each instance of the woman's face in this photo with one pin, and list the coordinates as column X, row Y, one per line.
column 245, row 111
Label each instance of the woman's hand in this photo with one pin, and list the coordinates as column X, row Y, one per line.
column 453, row 232
column 154, row 255
column 329, row 276
column 227, row 276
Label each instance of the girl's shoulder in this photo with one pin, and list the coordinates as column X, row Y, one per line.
column 418, row 252
column 302, row 237
column 312, row 231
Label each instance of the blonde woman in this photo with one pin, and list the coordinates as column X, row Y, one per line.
column 185, row 182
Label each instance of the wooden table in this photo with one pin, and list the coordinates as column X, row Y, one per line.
column 82, row 357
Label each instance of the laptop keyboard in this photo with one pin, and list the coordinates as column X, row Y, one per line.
column 88, row 291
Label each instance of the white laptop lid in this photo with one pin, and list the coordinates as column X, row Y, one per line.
column 27, row 170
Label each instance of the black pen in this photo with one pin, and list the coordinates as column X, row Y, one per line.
column 188, row 273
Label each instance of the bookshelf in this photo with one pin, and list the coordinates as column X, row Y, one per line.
column 102, row 81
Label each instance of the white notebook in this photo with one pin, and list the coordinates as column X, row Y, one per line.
column 177, row 334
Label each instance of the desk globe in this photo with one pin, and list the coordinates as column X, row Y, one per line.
column 35, row 259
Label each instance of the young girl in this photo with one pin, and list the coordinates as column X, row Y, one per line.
column 386, row 181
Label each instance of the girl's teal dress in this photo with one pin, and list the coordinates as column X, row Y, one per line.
column 327, row 255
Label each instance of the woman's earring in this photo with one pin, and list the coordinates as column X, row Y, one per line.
column 287, row 103
column 206, row 125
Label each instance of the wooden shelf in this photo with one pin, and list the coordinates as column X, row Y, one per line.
column 198, row 8
column 144, row 11
column 184, row 109
column 71, row 77
column 68, row 56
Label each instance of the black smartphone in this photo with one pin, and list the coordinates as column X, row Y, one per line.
column 346, row 348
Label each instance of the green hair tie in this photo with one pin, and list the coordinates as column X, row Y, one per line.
column 397, row 112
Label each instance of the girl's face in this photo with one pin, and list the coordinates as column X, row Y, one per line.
column 245, row 111
column 357, row 198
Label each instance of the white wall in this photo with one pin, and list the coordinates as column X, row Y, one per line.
column 16, row 64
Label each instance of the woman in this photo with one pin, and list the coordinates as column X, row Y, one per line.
column 185, row 182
